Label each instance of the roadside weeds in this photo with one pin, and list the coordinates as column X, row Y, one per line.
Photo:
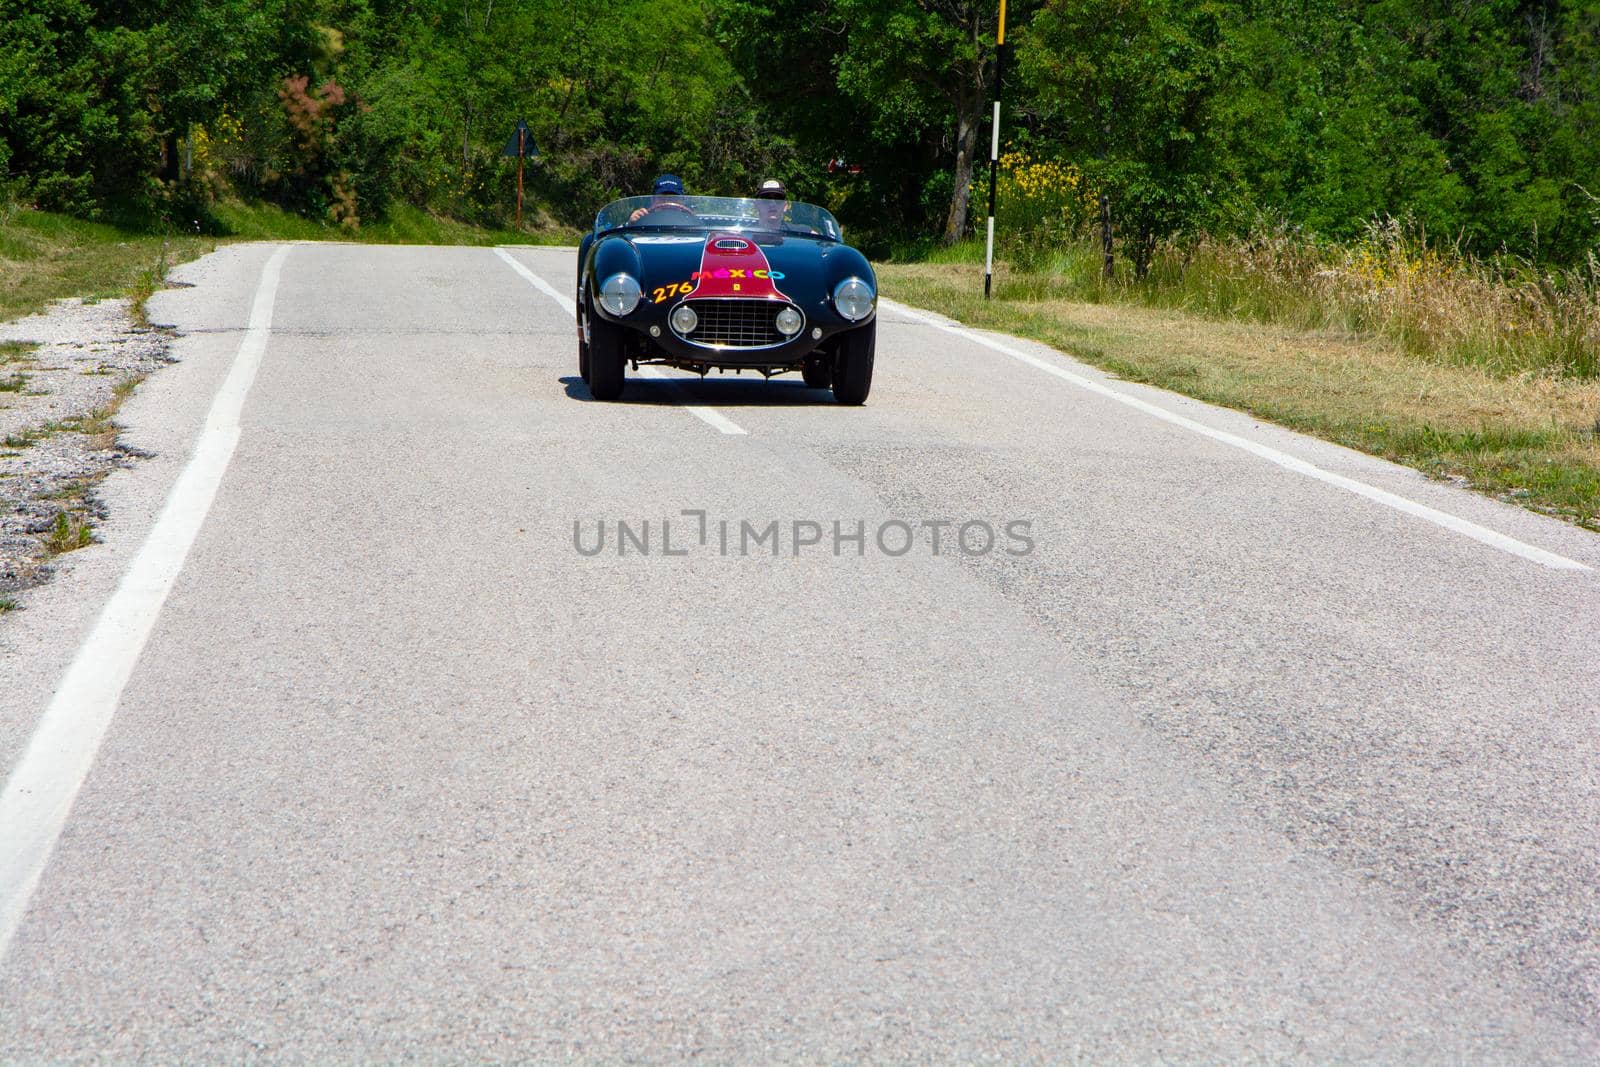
column 1531, row 439
column 58, row 438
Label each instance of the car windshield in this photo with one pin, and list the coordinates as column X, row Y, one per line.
column 681, row 212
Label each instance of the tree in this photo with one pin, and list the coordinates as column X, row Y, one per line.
column 1570, row 94
column 93, row 95
column 923, row 67
column 1129, row 85
column 74, row 103
column 900, row 85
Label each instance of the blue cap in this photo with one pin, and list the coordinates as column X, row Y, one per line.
column 667, row 183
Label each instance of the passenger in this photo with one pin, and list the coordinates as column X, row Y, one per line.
column 772, row 203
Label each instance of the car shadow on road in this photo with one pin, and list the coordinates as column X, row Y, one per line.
column 721, row 391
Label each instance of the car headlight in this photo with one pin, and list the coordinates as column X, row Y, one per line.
column 684, row 320
column 853, row 298
column 789, row 322
column 620, row 294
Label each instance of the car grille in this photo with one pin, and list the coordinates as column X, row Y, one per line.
column 736, row 323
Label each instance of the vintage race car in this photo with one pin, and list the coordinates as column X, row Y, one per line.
column 703, row 282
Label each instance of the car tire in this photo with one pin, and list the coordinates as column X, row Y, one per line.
column 852, row 366
column 817, row 371
column 583, row 345
column 605, row 358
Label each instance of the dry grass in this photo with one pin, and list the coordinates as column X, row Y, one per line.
column 1508, row 317
column 1533, row 437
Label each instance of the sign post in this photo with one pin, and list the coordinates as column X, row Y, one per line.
column 521, row 145
column 994, row 145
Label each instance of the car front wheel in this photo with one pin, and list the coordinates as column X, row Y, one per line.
column 852, row 366
column 583, row 359
column 583, row 340
column 605, row 358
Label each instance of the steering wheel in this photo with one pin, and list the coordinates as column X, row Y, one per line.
column 670, row 205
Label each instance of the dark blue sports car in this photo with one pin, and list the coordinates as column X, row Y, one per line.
column 698, row 282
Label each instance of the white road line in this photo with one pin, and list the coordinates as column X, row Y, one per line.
column 1271, row 455
column 540, row 284
column 710, row 416
column 40, row 793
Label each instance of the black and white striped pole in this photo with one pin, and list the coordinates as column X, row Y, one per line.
column 994, row 146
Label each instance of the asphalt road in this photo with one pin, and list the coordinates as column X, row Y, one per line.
column 1244, row 761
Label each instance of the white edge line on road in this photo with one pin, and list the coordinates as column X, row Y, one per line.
column 44, row 784
column 1272, row 455
column 710, row 416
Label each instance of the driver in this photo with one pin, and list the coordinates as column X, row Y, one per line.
column 662, row 191
column 661, row 194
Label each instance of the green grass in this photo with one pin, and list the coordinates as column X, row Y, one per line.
column 403, row 225
column 928, row 250
column 98, row 423
column 1530, row 438
column 7, row 604
column 16, row 351
column 27, row 438
column 70, row 532
column 46, row 257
